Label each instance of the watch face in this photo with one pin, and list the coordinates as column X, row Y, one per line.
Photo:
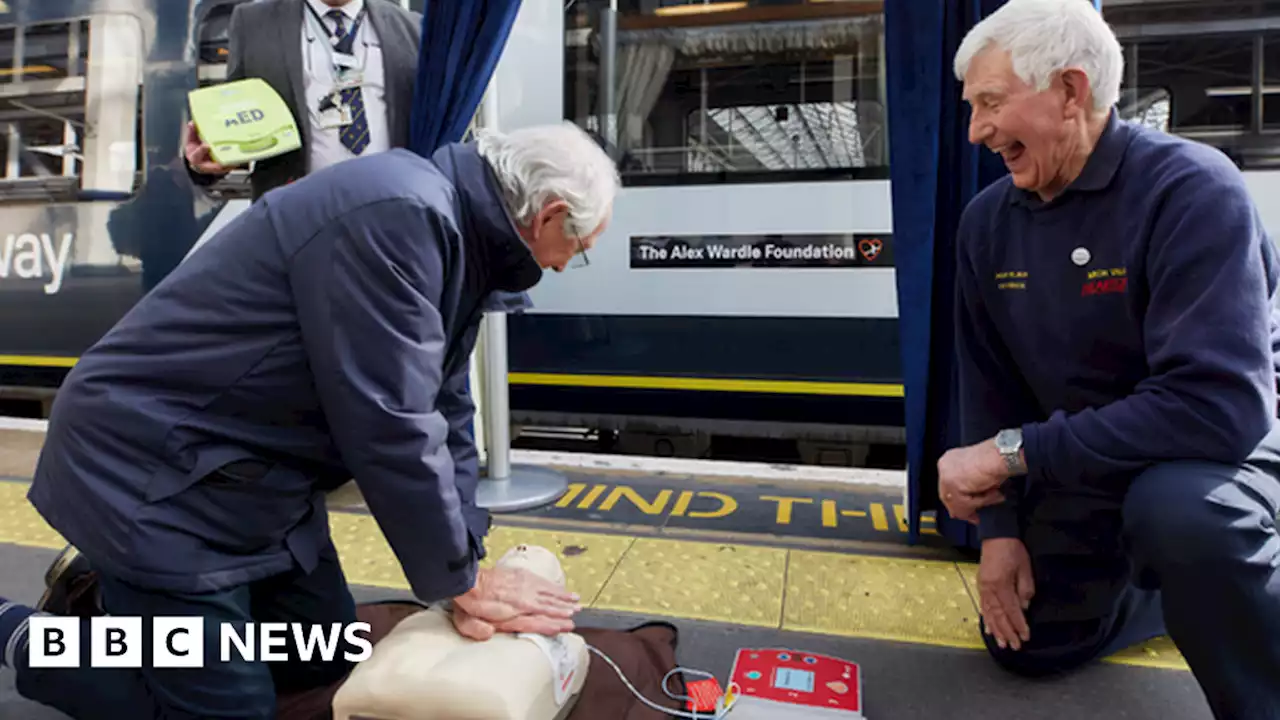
column 1008, row 439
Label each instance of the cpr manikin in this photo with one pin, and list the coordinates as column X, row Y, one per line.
column 425, row 670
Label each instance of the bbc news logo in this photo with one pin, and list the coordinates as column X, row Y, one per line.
column 179, row 642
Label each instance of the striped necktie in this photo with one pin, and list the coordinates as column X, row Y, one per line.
column 356, row 135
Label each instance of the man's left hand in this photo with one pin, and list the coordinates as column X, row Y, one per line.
column 513, row 600
column 969, row 479
column 473, row 627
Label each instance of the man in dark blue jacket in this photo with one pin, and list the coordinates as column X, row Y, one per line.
column 1117, row 336
column 324, row 334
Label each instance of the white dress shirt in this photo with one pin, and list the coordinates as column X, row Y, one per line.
column 326, row 146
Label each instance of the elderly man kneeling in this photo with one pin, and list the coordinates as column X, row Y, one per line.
column 324, row 334
column 1118, row 400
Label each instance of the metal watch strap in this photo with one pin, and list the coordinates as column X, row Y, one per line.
column 1012, row 460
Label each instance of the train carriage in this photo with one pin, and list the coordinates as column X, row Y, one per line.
column 746, row 286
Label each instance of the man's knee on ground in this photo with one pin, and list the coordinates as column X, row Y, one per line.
column 1043, row 655
column 1184, row 516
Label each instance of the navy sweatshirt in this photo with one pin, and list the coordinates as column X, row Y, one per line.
column 1130, row 320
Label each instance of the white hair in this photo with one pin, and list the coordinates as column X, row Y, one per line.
column 1045, row 37
column 549, row 162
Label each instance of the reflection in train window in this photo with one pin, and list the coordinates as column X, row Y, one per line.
column 1212, row 88
column 70, row 108
column 214, row 41
column 49, row 50
column 1147, row 106
column 725, row 92
column 1206, row 71
column 48, row 144
column 6, row 53
column 55, row 50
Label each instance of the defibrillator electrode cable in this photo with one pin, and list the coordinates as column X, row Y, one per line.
column 717, row 715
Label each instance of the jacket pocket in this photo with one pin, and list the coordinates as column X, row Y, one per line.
column 169, row 480
column 232, row 506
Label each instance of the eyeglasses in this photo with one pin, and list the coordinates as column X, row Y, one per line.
column 579, row 259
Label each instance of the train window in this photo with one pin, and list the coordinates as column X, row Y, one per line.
column 753, row 90
column 1147, row 106
column 7, row 40
column 1210, row 72
column 1203, row 87
column 214, row 49
column 69, row 107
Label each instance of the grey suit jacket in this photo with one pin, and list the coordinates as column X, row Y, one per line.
column 266, row 43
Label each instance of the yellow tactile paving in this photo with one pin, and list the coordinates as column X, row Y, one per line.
column 20, row 524
column 922, row 601
column 588, row 559
column 1158, row 653
column 706, row 581
column 902, row 599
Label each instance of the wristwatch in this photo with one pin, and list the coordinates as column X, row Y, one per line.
column 1009, row 443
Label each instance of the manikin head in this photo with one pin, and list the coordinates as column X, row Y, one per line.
column 559, row 186
column 1041, row 77
column 536, row 559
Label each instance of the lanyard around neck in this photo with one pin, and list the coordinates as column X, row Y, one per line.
column 349, row 39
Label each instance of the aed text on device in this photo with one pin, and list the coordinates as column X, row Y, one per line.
column 245, row 117
column 181, row 642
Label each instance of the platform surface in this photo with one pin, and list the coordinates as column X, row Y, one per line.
column 847, row 585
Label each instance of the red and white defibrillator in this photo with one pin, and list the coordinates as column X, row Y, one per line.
column 777, row 684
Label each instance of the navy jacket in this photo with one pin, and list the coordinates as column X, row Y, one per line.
column 322, row 335
column 1130, row 321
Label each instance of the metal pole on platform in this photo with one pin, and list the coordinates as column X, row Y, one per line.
column 504, row 487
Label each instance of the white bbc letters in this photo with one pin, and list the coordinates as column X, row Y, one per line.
column 177, row 642
column 53, row 642
column 115, row 642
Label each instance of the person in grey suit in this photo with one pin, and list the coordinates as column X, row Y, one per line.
column 345, row 68
column 323, row 334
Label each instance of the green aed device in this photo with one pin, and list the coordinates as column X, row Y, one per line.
column 243, row 121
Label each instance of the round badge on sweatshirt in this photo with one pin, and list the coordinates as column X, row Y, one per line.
column 1080, row 256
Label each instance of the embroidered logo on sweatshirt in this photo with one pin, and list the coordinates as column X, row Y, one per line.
column 1104, row 281
column 1012, row 280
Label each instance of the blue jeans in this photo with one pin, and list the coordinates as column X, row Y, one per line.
column 1190, row 549
column 236, row 689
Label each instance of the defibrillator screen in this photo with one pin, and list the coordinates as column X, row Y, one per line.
column 798, row 680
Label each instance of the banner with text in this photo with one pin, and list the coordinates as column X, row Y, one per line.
column 836, row 250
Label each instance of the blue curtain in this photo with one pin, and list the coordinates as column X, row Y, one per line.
column 462, row 41
column 934, row 173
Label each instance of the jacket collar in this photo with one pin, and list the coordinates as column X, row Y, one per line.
column 1099, row 170
column 351, row 10
column 490, row 234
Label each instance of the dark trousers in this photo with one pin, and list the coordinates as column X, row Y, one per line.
column 236, row 689
column 1190, row 549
